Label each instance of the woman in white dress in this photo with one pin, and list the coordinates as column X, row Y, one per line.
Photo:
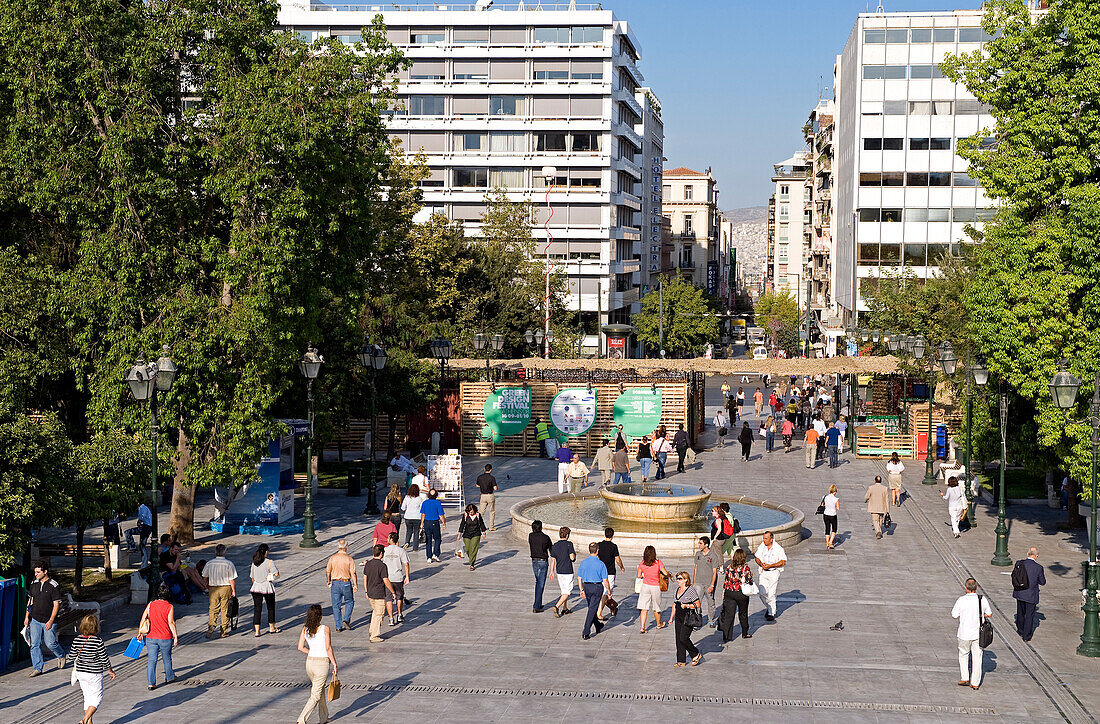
column 894, row 469
column 956, row 503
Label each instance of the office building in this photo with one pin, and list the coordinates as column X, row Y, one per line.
column 655, row 246
column 789, row 227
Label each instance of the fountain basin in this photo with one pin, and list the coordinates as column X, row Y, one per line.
column 654, row 501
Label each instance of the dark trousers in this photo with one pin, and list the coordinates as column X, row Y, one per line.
column 734, row 602
column 593, row 592
column 257, row 601
column 746, row 447
column 681, row 451
column 541, row 567
column 661, row 458
column 1025, row 619
column 683, row 638
column 432, row 538
column 821, row 447
column 412, row 533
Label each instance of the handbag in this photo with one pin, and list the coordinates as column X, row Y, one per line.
column 72, row 676
column 821, row 506
column 692, row 618
column 637, row 585
column 663, row 581
column 887, row 521
column 144, row 627
column 334, row 690
column 985, row 630
column 722, row 431
column 270, row 573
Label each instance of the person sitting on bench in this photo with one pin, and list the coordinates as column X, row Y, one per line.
column 170, row 563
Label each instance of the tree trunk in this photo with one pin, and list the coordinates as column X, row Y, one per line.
column 107, row 552
column 78, row 577
column 182, row 519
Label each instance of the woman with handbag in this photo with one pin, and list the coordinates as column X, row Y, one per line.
column 769, row 433
column 894, row 469
column 263, row 574
column 645, row 457
column 158, row 630
column 956, row 503
column 315, row 642
column 472, row 530
column 738, row 585
column 392, row 505
column 652, row 579
column 830, row 508
column 686, row 618
column 745, row 438
column 90, row 662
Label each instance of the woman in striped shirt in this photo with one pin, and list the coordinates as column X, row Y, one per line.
column 90, row 663
column 686, row 598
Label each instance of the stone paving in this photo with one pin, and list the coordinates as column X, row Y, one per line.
column 471, row 650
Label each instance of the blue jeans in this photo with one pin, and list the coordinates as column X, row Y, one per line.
column 40, row 634
column 622, row 478
column 541, row 568
column 433, row 540
column 163, row 648
column 769, row 440
column 662, row 457
column 412, row 533
column 834, row 453
column 343, row 601
column 645, row 463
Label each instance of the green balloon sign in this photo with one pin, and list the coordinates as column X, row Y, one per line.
column 638, row 411
column 507, row 412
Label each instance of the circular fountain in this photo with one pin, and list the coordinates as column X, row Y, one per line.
column 654, row 502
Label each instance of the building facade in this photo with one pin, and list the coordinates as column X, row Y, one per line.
column 496, row 95
column 690, row 202
column 789, row 227
column 654, row 256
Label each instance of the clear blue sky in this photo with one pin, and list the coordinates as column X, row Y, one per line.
column 738, row 78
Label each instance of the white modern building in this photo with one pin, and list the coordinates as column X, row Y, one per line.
column 789, row 233
column 498, row 91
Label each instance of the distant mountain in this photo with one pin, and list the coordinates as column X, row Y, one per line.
column 751, row 214
column 750, row 236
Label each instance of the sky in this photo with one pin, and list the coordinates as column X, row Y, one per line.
column 737, row 79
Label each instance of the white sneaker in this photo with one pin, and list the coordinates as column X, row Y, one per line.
column 435, row 559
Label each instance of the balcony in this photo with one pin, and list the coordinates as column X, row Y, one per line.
column 624, row 299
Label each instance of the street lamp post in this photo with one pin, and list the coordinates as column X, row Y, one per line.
column 310, row 365
column 145, row 382
column 1063, row 388
column 441, row 350
column 373, row 357
column 948, row 364
column 1000, row 555
column 919, row 347
column 980, row 375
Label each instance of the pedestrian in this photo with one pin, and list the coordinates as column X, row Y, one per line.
column 737, row 583
column 561, row 567
column 593, row 577
column 158, row 620
column 540, row 545
column 819, row 425
column 969, row 609
column 617, row 436
column 410, row 512
column 956, row 503
column 397, row 565
column 650, row 573
column 832, row 442
column 732, row 526
column 687, row 599
column 43, row 605
column 680, row 441
column 745, row 437
column 564, row 456
column 645, row 457
column 842, row 425
column 392, row 505
column 758, row 401
column 725, row 390
column 608, row 552
column 809, row 446
column 804, row 409
column 434, row 523
column 769, row 434
column 773, row 401
column 420, row 480
column 661, row 448
column 720, row 427
column 878, row 504
column 263, row 573
column 487, row 485
column 221, row 579
column 602, row 462
column 315, row 642
column 620, row 463
column 788, row 434
column 731, row 409
column 721, row 529
column 830, row 515
column 343, row 583
column 577, row 472
column 771, row 558
column 705, row 575
column 472, row 530
column 91, row 663
column 542, row 434
column 376, row 584
column 1027, row 598
column 894, row 469
column 741, row 401
column 145, row 529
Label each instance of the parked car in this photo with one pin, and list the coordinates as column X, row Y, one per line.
column 760, row 353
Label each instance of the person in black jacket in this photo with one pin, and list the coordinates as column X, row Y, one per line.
column 472, row 529
column 1028, row 599
column 745, row 437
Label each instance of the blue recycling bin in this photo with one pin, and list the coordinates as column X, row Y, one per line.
column 9, row 589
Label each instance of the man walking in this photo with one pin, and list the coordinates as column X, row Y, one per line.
column 343, row 583
column 43, row 604
column 432, row 522
column 832, row 442
column 145, row 528
column 542, row 434
column 602, row 461
column 609, row 554
column 809, row 447
column 564, row 456
column 562, row 556
column 771, row 558
column 819, row 426
column 221, row 580
column 969, row 609
column 758, row 401
column 376, row 583
column 577, row 475
column 593, row 575
column 487, row 484
column 878, row 504
column 680, row 441
column 620, row 464
column 1028, row 598
column 725, row 391
column 397, row 566
column 705, row 576
column 720, row 427
column 540, row 545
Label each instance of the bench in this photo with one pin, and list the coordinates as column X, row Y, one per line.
column 69, row 550
column 72, row 612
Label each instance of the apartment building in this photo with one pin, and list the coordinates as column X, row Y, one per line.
column 690, row 202
column 655, row 247
column 790, row 227
column 498, row 92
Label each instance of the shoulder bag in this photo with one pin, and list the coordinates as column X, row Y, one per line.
column 821, row 506
column 663, row 581
column 72, row 677
column 749, row 589
column 692, row 618
column 985, row 630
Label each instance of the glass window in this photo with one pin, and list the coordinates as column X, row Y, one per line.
column 471, row 178
column 550, row 106
column 962, row 179
column 894, row 108
column 916, row 214
column 874, row 37
column 967, row 108
column 918, row 144
column 943, row 108
column 897, row 36
column 470, row 141
column 507, row 178
column 897, row 72
column 561, row 180
column 586, row 142
column 583, row 35
column 984, row 214
column 921, row 35
column 471, row 70
column 546, row 36
column 587, row 70
column 552, row 141
column 870, row 179
column 943, row 35
column 425, row 105
column 963, row 216
column 437, row 178
column 970, row 35
column 893, row 178
column 507, row 142
column 916, row 179
column 689, row 224
column 349, row 38
column 925, row 71
column 589, row 179
column 505, row 105
column 891, row 215
column 936, row 252
column 872, row 144
column 470, row 35
column 427, row 142
column 987, row 142
column 874, row 72
column 893, row 144
column 551, row 70
column 427, row 36
column 869, row 214
column 508, row 36
column 916, row 255
column 920, row 108
column 939, row 214
column 868, row 252
column 426, row 70
column 585, row 106
column 939, row 179
column 890, row 254
column 940, row 144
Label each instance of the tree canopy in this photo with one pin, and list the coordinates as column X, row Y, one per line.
column 689, row 321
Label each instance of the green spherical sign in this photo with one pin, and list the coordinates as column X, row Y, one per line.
column 638, row 411
column 507, row 411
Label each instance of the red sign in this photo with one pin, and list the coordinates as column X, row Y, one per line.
column 616, row 347
column 521, row 373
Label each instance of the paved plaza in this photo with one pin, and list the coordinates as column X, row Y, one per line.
column 472, row 650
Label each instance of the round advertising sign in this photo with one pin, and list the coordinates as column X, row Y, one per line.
column 573, row 411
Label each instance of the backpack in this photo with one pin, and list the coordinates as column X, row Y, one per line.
column 727, row 527
column 1020, row 581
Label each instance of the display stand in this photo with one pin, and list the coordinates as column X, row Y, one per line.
column 445, row 475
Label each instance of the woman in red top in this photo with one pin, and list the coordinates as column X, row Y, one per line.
column 738, row 585
column 383, row 529
column 650, row 571
column 159, row 619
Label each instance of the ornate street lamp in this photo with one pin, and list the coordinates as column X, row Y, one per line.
column 980, row 375
column 875, row 335
column 1000, row 555
column 441, row 350
column 310, row 366
column 373, row 358
column 145, row 381
column 892, row 342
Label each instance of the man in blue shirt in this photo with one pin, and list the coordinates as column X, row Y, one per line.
column 564, row 456
column 593, row 575
column 832, row 442
column 431, row 522
column 144, row 527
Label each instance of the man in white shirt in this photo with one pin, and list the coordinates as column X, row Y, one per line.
column 819, row 425
column 397, row 563
column 966, row 610
column 771, row 558
column 221, row 579
column 720, row 424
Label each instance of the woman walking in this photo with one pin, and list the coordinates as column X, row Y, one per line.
column 263, row 574
column 645, row 457
column 661, row 448
column 894, row 469
column 315, row 642
column 769, row 433
column 745, row 438
column 410, row 511
column 832, row 507
column 738, row 577
column 472, row 529
column 90, row 663
column 956, row 503
column 392, row 505
column 650, row 572
column 687, row 599
column 383, row 528
column 159, row 621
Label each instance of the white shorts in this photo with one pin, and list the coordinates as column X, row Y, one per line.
column 611, row 582
column 565, row 582
column 649, row 599
column 91, row 685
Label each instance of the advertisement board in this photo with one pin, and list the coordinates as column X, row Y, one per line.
column 507, row 412
column 616, row 347
column 712, row 277
column 573, row 411
column 638, row 411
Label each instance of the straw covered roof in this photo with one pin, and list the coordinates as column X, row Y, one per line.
column 823, row 365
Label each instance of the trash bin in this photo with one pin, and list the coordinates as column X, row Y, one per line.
column 9, row 588
column 355, row 482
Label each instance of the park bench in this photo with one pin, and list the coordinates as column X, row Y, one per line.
column 72, row 612
column 68, row 550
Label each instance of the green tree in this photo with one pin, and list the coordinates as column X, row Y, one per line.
column 689, row 322
column 777, row 305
